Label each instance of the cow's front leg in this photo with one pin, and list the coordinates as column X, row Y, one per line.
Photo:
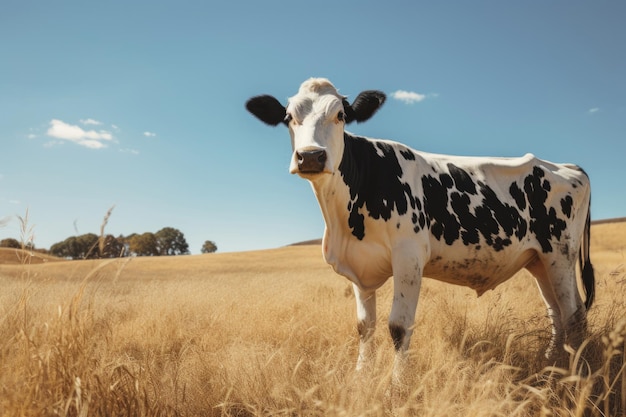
column 407, row 279
column 366, row 324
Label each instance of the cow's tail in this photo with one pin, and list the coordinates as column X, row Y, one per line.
column 586, row 269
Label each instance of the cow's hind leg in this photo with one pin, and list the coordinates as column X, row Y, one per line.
column 557, row 282
column 366, row 324
column 554, row 312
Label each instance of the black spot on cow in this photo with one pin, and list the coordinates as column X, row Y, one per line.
column 462, row 179
column 495, row 220
column 485, row 223
column 544, row 222
column 374, row 182
column 500, row 243
column 446, row 180
column 442, row 222
column 518, row 195
column 508, row 217
column 356, row 221
column 460, row 204
column 566, row 205
column 407, row 154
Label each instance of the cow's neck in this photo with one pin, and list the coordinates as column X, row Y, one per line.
column 333, row 195
column 337, row 193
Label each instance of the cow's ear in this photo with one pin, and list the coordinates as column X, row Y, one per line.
column 364, row 106
column 267, row 109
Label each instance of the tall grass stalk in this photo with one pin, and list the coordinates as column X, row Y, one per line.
column 101, row 238
column 27, row 238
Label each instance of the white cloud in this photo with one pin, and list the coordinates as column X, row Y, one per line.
column 31, row 136
column 594, row 110
column 410, row 97
column 73, row 133
column 92, row 143
column 130, row 151
column 149, row 134
column 90, row 122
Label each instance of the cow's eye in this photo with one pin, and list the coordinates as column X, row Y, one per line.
column 341, row 116
column 288, row 118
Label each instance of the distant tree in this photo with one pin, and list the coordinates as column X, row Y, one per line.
column 171, row 241
column 144, row 245
column 77, row 247
column 126, row 240
column 10, row 243
column 87, row 246
column 62, row 249
column 208, row 247
column 113, row 247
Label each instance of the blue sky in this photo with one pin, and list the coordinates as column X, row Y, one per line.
column 140, row 104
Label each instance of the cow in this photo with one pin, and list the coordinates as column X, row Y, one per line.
column 390, row 210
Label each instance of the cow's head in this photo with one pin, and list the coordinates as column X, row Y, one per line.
column 316, row 117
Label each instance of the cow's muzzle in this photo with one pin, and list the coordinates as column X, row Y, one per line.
column 311, row 162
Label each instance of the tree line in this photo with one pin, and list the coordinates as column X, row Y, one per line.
column 166, row 242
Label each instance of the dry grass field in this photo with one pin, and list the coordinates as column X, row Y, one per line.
column 273, row 333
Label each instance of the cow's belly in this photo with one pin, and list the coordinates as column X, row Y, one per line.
column 368, row 263
column 479, row 270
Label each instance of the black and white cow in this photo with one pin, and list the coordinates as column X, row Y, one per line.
column 472, row 221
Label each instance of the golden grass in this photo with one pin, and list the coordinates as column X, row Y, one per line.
column 273, row 333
